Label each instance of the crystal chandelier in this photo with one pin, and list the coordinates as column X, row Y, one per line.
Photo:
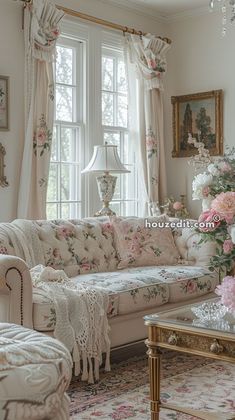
column 225, row 6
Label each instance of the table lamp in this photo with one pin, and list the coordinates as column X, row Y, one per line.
column 106, row 159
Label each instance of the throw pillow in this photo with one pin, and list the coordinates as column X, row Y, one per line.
column 139, row 245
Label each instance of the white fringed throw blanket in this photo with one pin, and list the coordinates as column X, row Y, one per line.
column 81, row 312
column 81, row 319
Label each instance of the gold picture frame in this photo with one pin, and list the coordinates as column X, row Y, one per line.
column 4, row 103
column 200, row 114
column 3, row 179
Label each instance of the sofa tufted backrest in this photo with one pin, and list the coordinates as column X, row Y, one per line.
column 87, row 245
column 78, row 246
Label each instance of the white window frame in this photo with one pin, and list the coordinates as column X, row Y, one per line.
column 89, row 122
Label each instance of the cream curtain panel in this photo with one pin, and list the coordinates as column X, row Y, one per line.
column 146, row 57
column 41, row 30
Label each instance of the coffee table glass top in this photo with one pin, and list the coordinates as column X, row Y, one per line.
column 185, row 317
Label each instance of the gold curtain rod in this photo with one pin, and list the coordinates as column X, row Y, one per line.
column 106, row 23
column 102, row 22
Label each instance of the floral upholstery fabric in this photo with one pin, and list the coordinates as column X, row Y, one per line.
column 77, row 246
column 35, row 372
column 135, row 289
column 138, row 245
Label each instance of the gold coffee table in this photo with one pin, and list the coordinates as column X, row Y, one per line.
column 180, row 330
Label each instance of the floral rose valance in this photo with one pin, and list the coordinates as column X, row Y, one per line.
column 148, row 54
column 43, row 29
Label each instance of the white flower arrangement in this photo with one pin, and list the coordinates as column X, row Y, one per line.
column 200, row 185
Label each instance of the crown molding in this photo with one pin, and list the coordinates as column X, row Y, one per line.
column 138, row 9
column 157, row 16
column 187, row 14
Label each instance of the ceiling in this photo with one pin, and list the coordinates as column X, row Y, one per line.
column 164, row 8
column 170, row 7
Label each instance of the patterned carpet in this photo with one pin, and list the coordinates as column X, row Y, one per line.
column 123, row 393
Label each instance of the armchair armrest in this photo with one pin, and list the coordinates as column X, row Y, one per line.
column 16, row 291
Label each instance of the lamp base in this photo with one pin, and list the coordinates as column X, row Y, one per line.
column 105, row 211
column 106, row 187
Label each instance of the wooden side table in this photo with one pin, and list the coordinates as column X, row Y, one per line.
column 177, row 330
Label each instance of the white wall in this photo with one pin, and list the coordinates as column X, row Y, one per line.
column 200, row 60
column 11, row 64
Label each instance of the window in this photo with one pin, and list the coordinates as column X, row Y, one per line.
column 64, row 198
column 115, row 127
column 86, row 62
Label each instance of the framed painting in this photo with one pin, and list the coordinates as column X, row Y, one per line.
column 201, row 115
column 4, row 103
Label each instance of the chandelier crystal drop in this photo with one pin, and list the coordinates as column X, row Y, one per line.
column 225, row 5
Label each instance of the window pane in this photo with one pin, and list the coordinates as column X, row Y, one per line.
column 71, row 210
column 69, row 182
column 52, row 191
column 64, row 103
column 64, row 65
column 54, row 146
column 115, row 206
column 52, row 211
column 121, row 77
column 117, row 193
column 112, row 138
column 122, row 111
column 107, row 109
column 68, row 144
column 126, row 149
column 107, row 73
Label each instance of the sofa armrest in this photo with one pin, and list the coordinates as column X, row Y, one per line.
column 16, row 290
column 191, row 250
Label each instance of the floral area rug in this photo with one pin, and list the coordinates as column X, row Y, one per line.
column 123, row 393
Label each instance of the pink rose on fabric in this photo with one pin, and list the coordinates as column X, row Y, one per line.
column 3, row 250
column 177, row 206
column 227, row 292
column 107, row 228
column 191, row 286
column 152, row 64
column 228, row 246
column 211, row 220
column 224, row 204
column 56, row 253
column 64, row 232
column 85, row 266
column 41, row 136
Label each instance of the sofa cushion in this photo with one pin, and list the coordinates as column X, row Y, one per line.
column 139, row 245
column 77, row 246
column 134, row 289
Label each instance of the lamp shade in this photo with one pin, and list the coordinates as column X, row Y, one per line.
column 105, row 159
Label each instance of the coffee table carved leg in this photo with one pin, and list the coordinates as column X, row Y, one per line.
column 154, row 372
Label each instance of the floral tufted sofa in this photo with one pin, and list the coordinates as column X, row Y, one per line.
column 85, row 250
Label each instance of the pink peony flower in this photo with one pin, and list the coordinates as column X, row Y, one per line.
column 228, row 246
column 209, row 220
column 177, row 206
column 227, row 292
column 224, row 204
column 225, row 167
